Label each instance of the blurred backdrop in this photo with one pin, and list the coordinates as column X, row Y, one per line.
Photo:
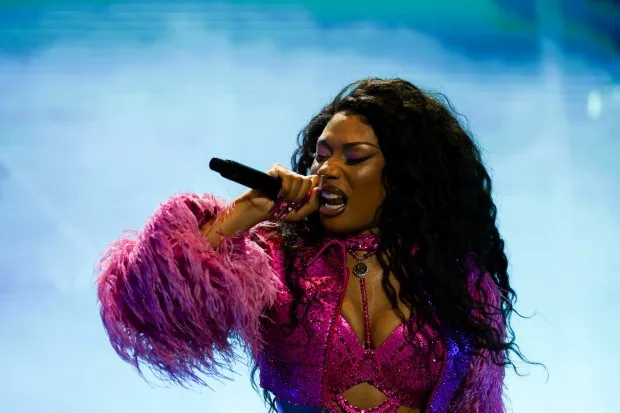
column 108, row 108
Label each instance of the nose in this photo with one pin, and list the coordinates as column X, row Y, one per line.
column 330, row 170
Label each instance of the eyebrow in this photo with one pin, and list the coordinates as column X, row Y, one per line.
column 347, row 145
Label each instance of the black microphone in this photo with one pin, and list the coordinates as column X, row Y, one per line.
column 246, row 176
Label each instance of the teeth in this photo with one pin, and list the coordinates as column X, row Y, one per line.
column 330, row 196
column 338, row 206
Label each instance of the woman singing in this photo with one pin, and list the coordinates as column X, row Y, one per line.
column 377, row 282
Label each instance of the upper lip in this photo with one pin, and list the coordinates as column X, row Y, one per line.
column 333, row 190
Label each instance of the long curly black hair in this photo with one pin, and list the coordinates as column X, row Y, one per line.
column 438, row 200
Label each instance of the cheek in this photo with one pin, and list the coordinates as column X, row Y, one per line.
column 369, row 180
column 369, row 194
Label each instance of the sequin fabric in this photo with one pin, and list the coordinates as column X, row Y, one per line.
column 405, row 367
column 172, row 302
column 351, row 362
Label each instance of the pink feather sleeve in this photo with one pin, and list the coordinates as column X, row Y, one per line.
column 171, row 301
column 482, row 388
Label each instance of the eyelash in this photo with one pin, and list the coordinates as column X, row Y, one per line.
column 323, row 158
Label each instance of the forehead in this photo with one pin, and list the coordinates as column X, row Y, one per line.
column 343, row 128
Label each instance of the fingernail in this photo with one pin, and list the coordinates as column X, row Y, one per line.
column 303, row 202
column 321, row 182
column 276, row 205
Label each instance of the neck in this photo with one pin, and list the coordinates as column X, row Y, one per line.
column 370, row 232
column 361, row 241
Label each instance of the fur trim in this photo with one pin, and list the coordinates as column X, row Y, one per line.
column 482, row 388
column 169, row 300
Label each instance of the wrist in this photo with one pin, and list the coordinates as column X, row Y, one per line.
column 245, row 211
column 238, row 218
column 241, row 216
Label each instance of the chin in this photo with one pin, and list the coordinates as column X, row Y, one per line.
column 341, row 225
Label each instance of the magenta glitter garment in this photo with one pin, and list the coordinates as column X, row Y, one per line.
column 349, row 364
column 404, row 368
column 172, row 302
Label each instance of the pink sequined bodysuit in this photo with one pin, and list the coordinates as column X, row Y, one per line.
column 351, row 362
column 172, row 301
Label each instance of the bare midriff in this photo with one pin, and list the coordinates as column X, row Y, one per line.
column 366, row 396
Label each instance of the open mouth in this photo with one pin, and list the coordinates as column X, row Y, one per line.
column 332, row 201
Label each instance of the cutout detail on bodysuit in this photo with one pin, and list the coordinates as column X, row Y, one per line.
column 367, row 368
column 394, row 375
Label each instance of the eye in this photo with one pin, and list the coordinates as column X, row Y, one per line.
column 355, row 161
column 320, row 157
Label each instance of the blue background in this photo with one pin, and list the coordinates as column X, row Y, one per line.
column 108, row 108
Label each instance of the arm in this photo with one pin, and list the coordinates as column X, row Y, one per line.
column 169, row 298
column 239, row 217
column 482, row 388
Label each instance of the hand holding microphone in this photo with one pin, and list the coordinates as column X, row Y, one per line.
column 279, row 194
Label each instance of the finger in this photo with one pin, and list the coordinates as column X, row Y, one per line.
column 286, row 209
column 315, row 183
column 311, row 206
column 297, row 182
column 290, row 183
column 286, row 184
column 308, row 183
column 304, row 192
column 276, row 170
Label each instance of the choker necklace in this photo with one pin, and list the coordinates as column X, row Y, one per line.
column 355, row 243
column 367, row 243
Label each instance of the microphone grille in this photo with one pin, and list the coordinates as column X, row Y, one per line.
column 219, row 165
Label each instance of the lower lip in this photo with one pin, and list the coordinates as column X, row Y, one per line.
column 330, row 212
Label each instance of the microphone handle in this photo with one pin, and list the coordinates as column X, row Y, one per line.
column 246, row 176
